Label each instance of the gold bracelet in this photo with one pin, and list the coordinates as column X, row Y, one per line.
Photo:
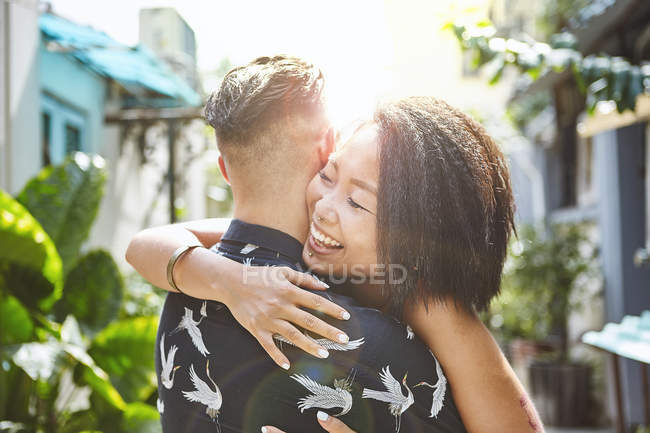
column 172, row 262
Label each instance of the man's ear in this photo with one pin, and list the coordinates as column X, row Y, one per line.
column 327, row 146
column 222, row 168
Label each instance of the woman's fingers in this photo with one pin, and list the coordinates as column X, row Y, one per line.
column 312, row 323
column 304, row 280
column 276, row 354
column 331, row 424
column 301, row 280
column 319, row 303
column 300, row 340
column 271, row 429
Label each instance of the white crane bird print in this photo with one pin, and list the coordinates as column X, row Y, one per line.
column 439, row 390
column 168, row 369
column 327, row 344
column 325, row 397
column 394, row 396
column 205, row 395
column 187, row 323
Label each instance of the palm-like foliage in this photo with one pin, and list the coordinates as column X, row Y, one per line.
column 600, row 78
column 63, row 369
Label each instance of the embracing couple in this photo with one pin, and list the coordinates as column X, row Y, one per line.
column 407, row 218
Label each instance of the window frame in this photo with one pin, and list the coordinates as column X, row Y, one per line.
column 62, row 114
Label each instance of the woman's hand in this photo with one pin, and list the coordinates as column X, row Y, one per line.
column 264, row 300
column 329, row 423
column 268, row 301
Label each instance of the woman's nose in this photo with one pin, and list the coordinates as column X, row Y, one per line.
column 324, row 212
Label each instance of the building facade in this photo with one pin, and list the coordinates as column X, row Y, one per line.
column 68, row 87
column 594, row 168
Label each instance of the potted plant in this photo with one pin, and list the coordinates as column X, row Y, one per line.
column 544, row 280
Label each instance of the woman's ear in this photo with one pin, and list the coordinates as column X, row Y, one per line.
column 222, row 168
column 327, row 146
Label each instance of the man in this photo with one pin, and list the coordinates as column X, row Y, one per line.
column 273, row 136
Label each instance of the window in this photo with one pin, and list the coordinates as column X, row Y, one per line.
column 46, row 128
column 72, row 139
column 64, row 130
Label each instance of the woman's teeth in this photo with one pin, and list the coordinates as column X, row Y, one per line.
column 324, row 239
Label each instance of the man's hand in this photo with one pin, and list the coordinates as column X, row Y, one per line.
column 329, row 424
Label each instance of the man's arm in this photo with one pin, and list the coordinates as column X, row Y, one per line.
column 488, row 394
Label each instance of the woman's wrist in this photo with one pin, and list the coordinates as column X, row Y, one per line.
column 197, row 274
column 224, row 278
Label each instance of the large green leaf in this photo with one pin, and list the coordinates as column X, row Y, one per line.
column 141, row 418
column 15, row 390
column 87, row 371
column 39, row 360
column 15, row 324
column 92, row 292
column 45, row 361
column 65, row 199
column 30, row 267
column 79, row 422
column 125, row 350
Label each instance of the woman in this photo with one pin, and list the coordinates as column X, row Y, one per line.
column 423, row 187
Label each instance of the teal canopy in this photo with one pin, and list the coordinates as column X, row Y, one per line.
column 135, row 68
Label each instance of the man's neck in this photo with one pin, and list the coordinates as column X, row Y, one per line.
column 288, row 216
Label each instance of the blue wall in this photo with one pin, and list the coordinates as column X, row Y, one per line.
column 69, row 82
column 620, row 165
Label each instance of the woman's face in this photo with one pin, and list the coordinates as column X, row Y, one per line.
column 342, row 202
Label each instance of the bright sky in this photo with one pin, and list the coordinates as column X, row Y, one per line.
column 352, row 40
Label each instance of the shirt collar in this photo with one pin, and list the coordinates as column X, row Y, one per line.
column 265, row 237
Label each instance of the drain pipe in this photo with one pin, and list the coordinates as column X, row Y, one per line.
column 5, row 146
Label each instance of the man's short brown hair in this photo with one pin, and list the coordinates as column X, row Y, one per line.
column 268, row 89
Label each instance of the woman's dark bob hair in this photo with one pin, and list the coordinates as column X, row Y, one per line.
column 445, row 204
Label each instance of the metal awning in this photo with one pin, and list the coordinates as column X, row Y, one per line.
column 135, row 68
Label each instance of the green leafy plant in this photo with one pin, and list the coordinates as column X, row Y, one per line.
column 65, row 199
column 545, row 273
column 67, row 363
column 601, row 78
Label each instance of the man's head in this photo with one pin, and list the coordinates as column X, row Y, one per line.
column 270, row 122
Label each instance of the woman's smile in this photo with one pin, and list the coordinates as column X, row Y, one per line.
column 321, row 243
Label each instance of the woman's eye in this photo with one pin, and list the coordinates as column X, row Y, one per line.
column 324, row 176
column 354, row 204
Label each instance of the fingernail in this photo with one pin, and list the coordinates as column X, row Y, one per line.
column 343, row 338
column 263, row 429
column 323, row 283
column 323, row 353
column 285, row 366
column 321, row 416
column 345, row 315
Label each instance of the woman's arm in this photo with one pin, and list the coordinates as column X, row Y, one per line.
column 486, row 390
column 266, row 302
column 150, row 249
